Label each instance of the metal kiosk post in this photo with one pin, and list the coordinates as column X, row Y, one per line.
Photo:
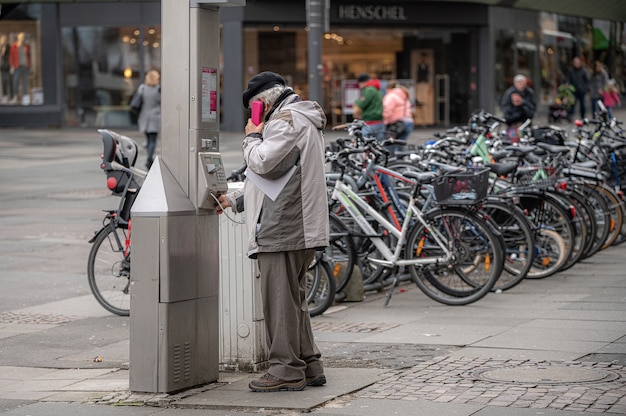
column 174, row 320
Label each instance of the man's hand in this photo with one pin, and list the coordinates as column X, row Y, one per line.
column 517, row 99
column 253, row 128
column 224, row 203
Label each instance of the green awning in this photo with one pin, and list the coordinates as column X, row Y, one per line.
column 600, row 41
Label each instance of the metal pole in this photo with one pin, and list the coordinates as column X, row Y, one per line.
column 315, row 12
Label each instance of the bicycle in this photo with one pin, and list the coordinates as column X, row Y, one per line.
column 108, row 265
column 451, row 254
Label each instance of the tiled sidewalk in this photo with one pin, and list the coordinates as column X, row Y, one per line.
column 569, row 386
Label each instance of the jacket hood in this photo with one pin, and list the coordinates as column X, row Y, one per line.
column 373, row 83
column 309, row 109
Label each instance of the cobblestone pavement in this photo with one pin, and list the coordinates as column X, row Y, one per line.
column 568, row 386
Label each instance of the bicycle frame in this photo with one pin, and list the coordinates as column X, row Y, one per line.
column 350, row 200
column 387, row 191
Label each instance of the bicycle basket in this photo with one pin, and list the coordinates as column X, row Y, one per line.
column 462, row 188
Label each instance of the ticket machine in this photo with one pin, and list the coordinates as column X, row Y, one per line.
column 174, row 319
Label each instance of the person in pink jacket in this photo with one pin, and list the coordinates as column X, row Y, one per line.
column 397, row 112
column 610, row 97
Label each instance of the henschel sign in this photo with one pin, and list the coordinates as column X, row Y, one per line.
column 371, row 12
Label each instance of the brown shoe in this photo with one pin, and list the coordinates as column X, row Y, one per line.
column 316, row 381
column 269, row 383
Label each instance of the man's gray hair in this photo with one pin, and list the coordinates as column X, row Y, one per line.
column 270, row 95
column 520, row 77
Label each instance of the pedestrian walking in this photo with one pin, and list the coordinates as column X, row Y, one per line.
column 284, row 233
column 597, row 84
column 610, row 97
column 149, row 120
column 369, row 107
column 577, row 77
column 397, row 113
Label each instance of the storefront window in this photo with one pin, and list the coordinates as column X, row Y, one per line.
column 102, row 67
column 556, row 55
column 433, row 63
column 350, row 52
column 20, row 65
column 517, row 52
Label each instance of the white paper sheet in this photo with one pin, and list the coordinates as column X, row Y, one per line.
column 271, row 187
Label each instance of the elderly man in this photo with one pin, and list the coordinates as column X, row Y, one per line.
column 284, row 231
column 518, row 105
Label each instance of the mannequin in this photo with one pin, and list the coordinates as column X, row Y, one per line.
column 5, row 69
column 20, row 65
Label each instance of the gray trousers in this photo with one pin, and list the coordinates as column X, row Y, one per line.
column 293, row 354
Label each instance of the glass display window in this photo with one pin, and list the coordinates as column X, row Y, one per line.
column 102, row 67
column 20, row 63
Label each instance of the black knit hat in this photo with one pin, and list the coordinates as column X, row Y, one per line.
column 259, row 83
column 363, row 77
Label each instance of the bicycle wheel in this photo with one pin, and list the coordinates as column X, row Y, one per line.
column 601, row 216
column 340, row 252
column 108, row 271
column 519, row 241
column 477, row 257
column 547, row 213
column 321, row 286
column 615, row 212
column 622, row 233
column 550, row 254
column 585, row 214
column 579, row 225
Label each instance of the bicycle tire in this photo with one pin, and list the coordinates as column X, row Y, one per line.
column 108, row 271
column 477, row 264
column 550, row 254
column 615, row 212
column 621, row 237
column 340, row 252
column 519, row 241
column 601, row 214
column 585, row 214
column 321, row 286
column 547, row 213
column 580, row 227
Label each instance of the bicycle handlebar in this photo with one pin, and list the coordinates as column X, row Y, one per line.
column 353, row 124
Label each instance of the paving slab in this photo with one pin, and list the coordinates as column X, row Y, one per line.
column 446, row 334
column 541, row 339
column 514, row 354
column 74, row 409
column 373, row 407
column 236, row 394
